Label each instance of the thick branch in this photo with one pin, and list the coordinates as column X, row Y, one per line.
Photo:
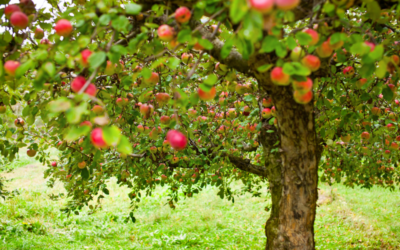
column 233, row 60
column 245, row 165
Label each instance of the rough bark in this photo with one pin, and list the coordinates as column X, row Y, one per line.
column 293, row 171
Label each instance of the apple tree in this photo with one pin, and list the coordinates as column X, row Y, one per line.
column 188, row 94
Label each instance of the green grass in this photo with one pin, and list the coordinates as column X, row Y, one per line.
column 348, row 219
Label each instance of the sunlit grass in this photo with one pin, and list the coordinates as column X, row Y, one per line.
column 350, row 219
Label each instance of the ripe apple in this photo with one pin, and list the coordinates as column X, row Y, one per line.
column 279, row 77
column 375, row 111
column 39, row 33
column 31, row 152
column 182, row 15
column 391, row 127
column 207, row 95
column 82, row 164
column 19, row 122
column 121, row 102
column 266, row 113
column 19, row 20
column 146, row 110
column 97, row 109
column 162, row 98
column 152, row 80
column 246, row 110
column 45, row 41
column 302, row 98
column 10, row 67
column 324, row 50
column 177, row 140
column 311, row 62
column 186, row 58
column 365, row 135
column 10, row 9
column 165, row 33
column 314, row 36
column 303, row 87
column 262, row 6
column 63, row 27
column 85, row 54
column 371, row 45
column 86, row 123
column 348, row 71
column 267, row 102
column 153, row 149
column 287, row 4
column 165, row 119
column 97, row 138
column 54, row 164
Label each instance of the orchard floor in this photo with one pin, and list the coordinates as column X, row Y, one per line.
column 347, row 219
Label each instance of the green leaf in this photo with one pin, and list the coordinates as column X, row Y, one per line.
column 119, row 49
column 365, row 97
column 226, row 49
column 50, row 68
column 120, row 23
column 112, row 135
column 133, row 9
column 23, row 68
column 97, row 59
column 373, row 10
column 146, row 73
column 124, row 146
column 281, row 50
column 238, row 10
column 206, row 44
column 173, row 62
column 264, row 68
column 105, row 19
column 387, row 94
column 85, row 174
column 75, row 133
column 303, row 38
column 211, row 80
column 184, row 36
column 296, row 68
column 381, row 69
column 269, row 44
column 74, row 114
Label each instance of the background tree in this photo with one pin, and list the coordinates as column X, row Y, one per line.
column 186, row 94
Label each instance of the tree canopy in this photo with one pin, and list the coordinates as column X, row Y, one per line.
column 187, row 94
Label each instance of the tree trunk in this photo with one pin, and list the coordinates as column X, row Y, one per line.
column 294, row 181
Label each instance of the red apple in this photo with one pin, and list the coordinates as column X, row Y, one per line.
column 371, row 45
column 165, row 33
column 152, row 80
column 324, row 50
column 279, row 77
column 86, row 123
column 162, row 98
column 186, row 57
column 314, row 36
column 146, row 110
column 10, row 67
column 302, row 98
column 10, row 9
column 177, row 140
column 303, row 87
column 311, row 62
column 207, row 95
column 267, row 102
column 361, row 82
column 336, row 45
column 19, row 122
column 165, row 119
column 182, row 15
column 85, row 54
column 287, row 4
column 39, row 33
column 19, row 20
column 365, row 135
column 263, row 6
column 63, row 27
column 82, row 164
column 348, row 71
column 121, row 102
column 54, row 164
column 266, row 113
column 97, row 138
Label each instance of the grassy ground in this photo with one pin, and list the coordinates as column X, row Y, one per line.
column 347, row 219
